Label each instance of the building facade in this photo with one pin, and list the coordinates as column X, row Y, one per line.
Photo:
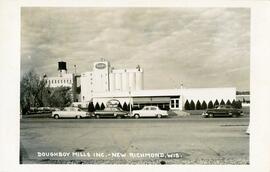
column 105, row 79
column 104, row 83
column 167, row 98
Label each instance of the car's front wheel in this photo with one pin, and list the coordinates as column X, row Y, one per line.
column 118, row 116
column 97, row 116
column 136, row 116
column 159, row 116
column 211, row 115
column 78, row 116
column 56, row 116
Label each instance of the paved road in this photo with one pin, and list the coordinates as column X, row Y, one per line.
column 189, row 140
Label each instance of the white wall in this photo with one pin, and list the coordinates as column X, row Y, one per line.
column 86, row 86
column 208, row 94
column 66, row 80
column 101, row 76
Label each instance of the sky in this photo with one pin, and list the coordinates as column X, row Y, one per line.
column 198, row 47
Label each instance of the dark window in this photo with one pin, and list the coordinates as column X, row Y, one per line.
column 153, row 108
column 177, row 103
column 172, row 103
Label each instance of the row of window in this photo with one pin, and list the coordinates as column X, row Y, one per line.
column 68, row 81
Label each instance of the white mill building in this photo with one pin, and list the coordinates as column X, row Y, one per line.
column 126, row 85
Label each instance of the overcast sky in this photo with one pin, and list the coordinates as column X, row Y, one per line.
column 200, row 47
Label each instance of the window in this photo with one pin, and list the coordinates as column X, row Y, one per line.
column 146, row 108
column 153, row 108
column 172, row 103
column 177, row 103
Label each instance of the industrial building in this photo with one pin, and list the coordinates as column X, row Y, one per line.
column 104, row 79
column 64, row 79
column 105, row 83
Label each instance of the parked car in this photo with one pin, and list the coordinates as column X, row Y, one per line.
column 149, row 111
column 111, row 112
column 70, row 112
column 39, row 110
column 222, row 110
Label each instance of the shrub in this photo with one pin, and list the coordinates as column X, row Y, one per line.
column 187, row 105
column 102, row 107
column 125, row 108
column 228, row 102
column 216, row 103
column 91, row 107
column 198, row 105
column 204, row 105
column 222, row 102
column 97, row 107
column 192, row 105
column 210, row 105
column 237, row 104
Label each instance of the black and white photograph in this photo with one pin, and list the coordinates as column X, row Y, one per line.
column 134, row 85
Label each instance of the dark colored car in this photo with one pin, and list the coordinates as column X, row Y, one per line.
column 40, row 110
column 115, row 112
column 222, row 110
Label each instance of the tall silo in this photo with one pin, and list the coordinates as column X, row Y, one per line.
column 112, row 81
column 139, row 80
column 132, row 80
column 118, row 81
column 125, row 79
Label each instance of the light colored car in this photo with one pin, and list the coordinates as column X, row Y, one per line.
column 70, row 112
column 150, row 111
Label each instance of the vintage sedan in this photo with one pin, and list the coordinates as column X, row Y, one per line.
column 150, row 111
column 70, row 112
column 115, row 112
column 222, row 110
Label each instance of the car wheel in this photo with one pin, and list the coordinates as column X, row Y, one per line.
column 158, row 116
column 234, row 115
column 118, row 117
column 56, row 116
column 136, row 116
column 211, row 115
column 78, row 116
column 97, row 116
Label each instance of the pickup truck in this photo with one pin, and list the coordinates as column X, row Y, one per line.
column 222, row 110
column 115, row 112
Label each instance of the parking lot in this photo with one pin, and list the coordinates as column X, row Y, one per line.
column 176, row 140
